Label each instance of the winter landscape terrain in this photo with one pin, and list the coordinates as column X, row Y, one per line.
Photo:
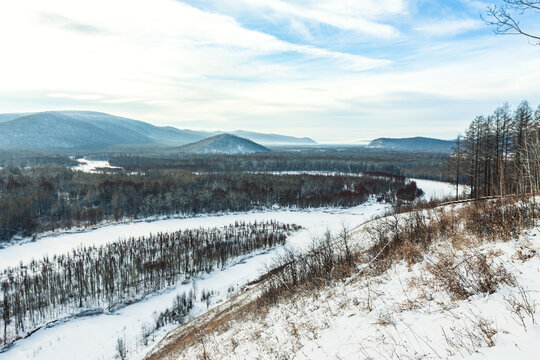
column 413, row 309
column 269, row 180
column 96, row 335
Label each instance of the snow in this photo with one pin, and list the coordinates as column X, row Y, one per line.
column 438, row 189
column 398, row 315
column 92, row 166
column 95, row 337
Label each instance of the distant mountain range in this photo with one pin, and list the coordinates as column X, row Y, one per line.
column 95, row 130
column 224, row 144
column 416, row 144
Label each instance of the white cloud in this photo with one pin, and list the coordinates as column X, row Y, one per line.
column 76, row 96
column 341, row 14
column 450, row 27
column 171, row 63
column 126, row 44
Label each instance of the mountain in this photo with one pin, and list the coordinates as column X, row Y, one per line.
column 53, row 130
column 160, row 134
column 274, row 139
column 11, row 116
column 91, row 130
column 418, row 144
column 84, row 130
column 224, row 144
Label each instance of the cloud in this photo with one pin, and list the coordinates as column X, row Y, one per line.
column 173, row 63
column 450, row 27
column 122, row 100
column 76, row 96
column 68, row 24
column 345, row 15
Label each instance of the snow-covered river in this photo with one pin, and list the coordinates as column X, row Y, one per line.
column 92, row 166
column 96, row 337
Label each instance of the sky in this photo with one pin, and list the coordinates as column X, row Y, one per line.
column 339, row 71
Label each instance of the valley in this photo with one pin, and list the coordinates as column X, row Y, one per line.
column 72, row 335
column 269, row 180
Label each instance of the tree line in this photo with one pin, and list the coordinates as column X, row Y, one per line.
column 111, row 275
column 500, row 153
column 346, row 160
column 39, row 199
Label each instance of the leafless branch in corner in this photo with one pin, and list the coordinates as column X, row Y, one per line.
column 505, row 18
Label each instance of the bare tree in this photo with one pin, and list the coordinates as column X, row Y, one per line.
column 505, row 18
column 455, row 160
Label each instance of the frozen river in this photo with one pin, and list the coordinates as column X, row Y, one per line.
column 96, row 337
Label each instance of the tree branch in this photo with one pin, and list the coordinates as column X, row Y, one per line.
column 505, row 21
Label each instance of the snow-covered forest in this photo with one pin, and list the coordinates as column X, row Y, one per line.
column 93, row 279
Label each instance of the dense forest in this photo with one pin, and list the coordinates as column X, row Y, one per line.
column 345, row 159
column 38, row 199
column 21, row 158
column 90, row 279
column 500, row 153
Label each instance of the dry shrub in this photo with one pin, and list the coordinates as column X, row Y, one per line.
column 409, row 237
column 525, row 252
column 499, row 219
column 476, row 332
column 522, row 306
column 471, row 274
column 396, row 238
column 327, row 260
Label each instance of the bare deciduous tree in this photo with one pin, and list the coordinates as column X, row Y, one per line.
column 506, row 18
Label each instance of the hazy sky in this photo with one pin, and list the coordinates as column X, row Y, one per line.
column 335, row 70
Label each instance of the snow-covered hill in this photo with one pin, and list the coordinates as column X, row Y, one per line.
column 224, row 144
column 464, row 299
column 416, row 144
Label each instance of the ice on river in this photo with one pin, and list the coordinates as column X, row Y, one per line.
column 96, row 337
column 437, row 189
column 92, row 166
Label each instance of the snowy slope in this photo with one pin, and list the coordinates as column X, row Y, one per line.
column 401, row 314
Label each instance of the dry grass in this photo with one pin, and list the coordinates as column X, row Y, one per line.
column 522, row 306
column 471, row 334
column 409, row 237
column 445, row 239
column 468, row 274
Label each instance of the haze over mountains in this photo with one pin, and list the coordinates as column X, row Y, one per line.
column 417, row 144
column 88, row 130
column 96, row 130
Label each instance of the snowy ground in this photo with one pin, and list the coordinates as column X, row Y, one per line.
column 438, row 189
column 96, row 337
column 401, row 314
column 92, row 166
